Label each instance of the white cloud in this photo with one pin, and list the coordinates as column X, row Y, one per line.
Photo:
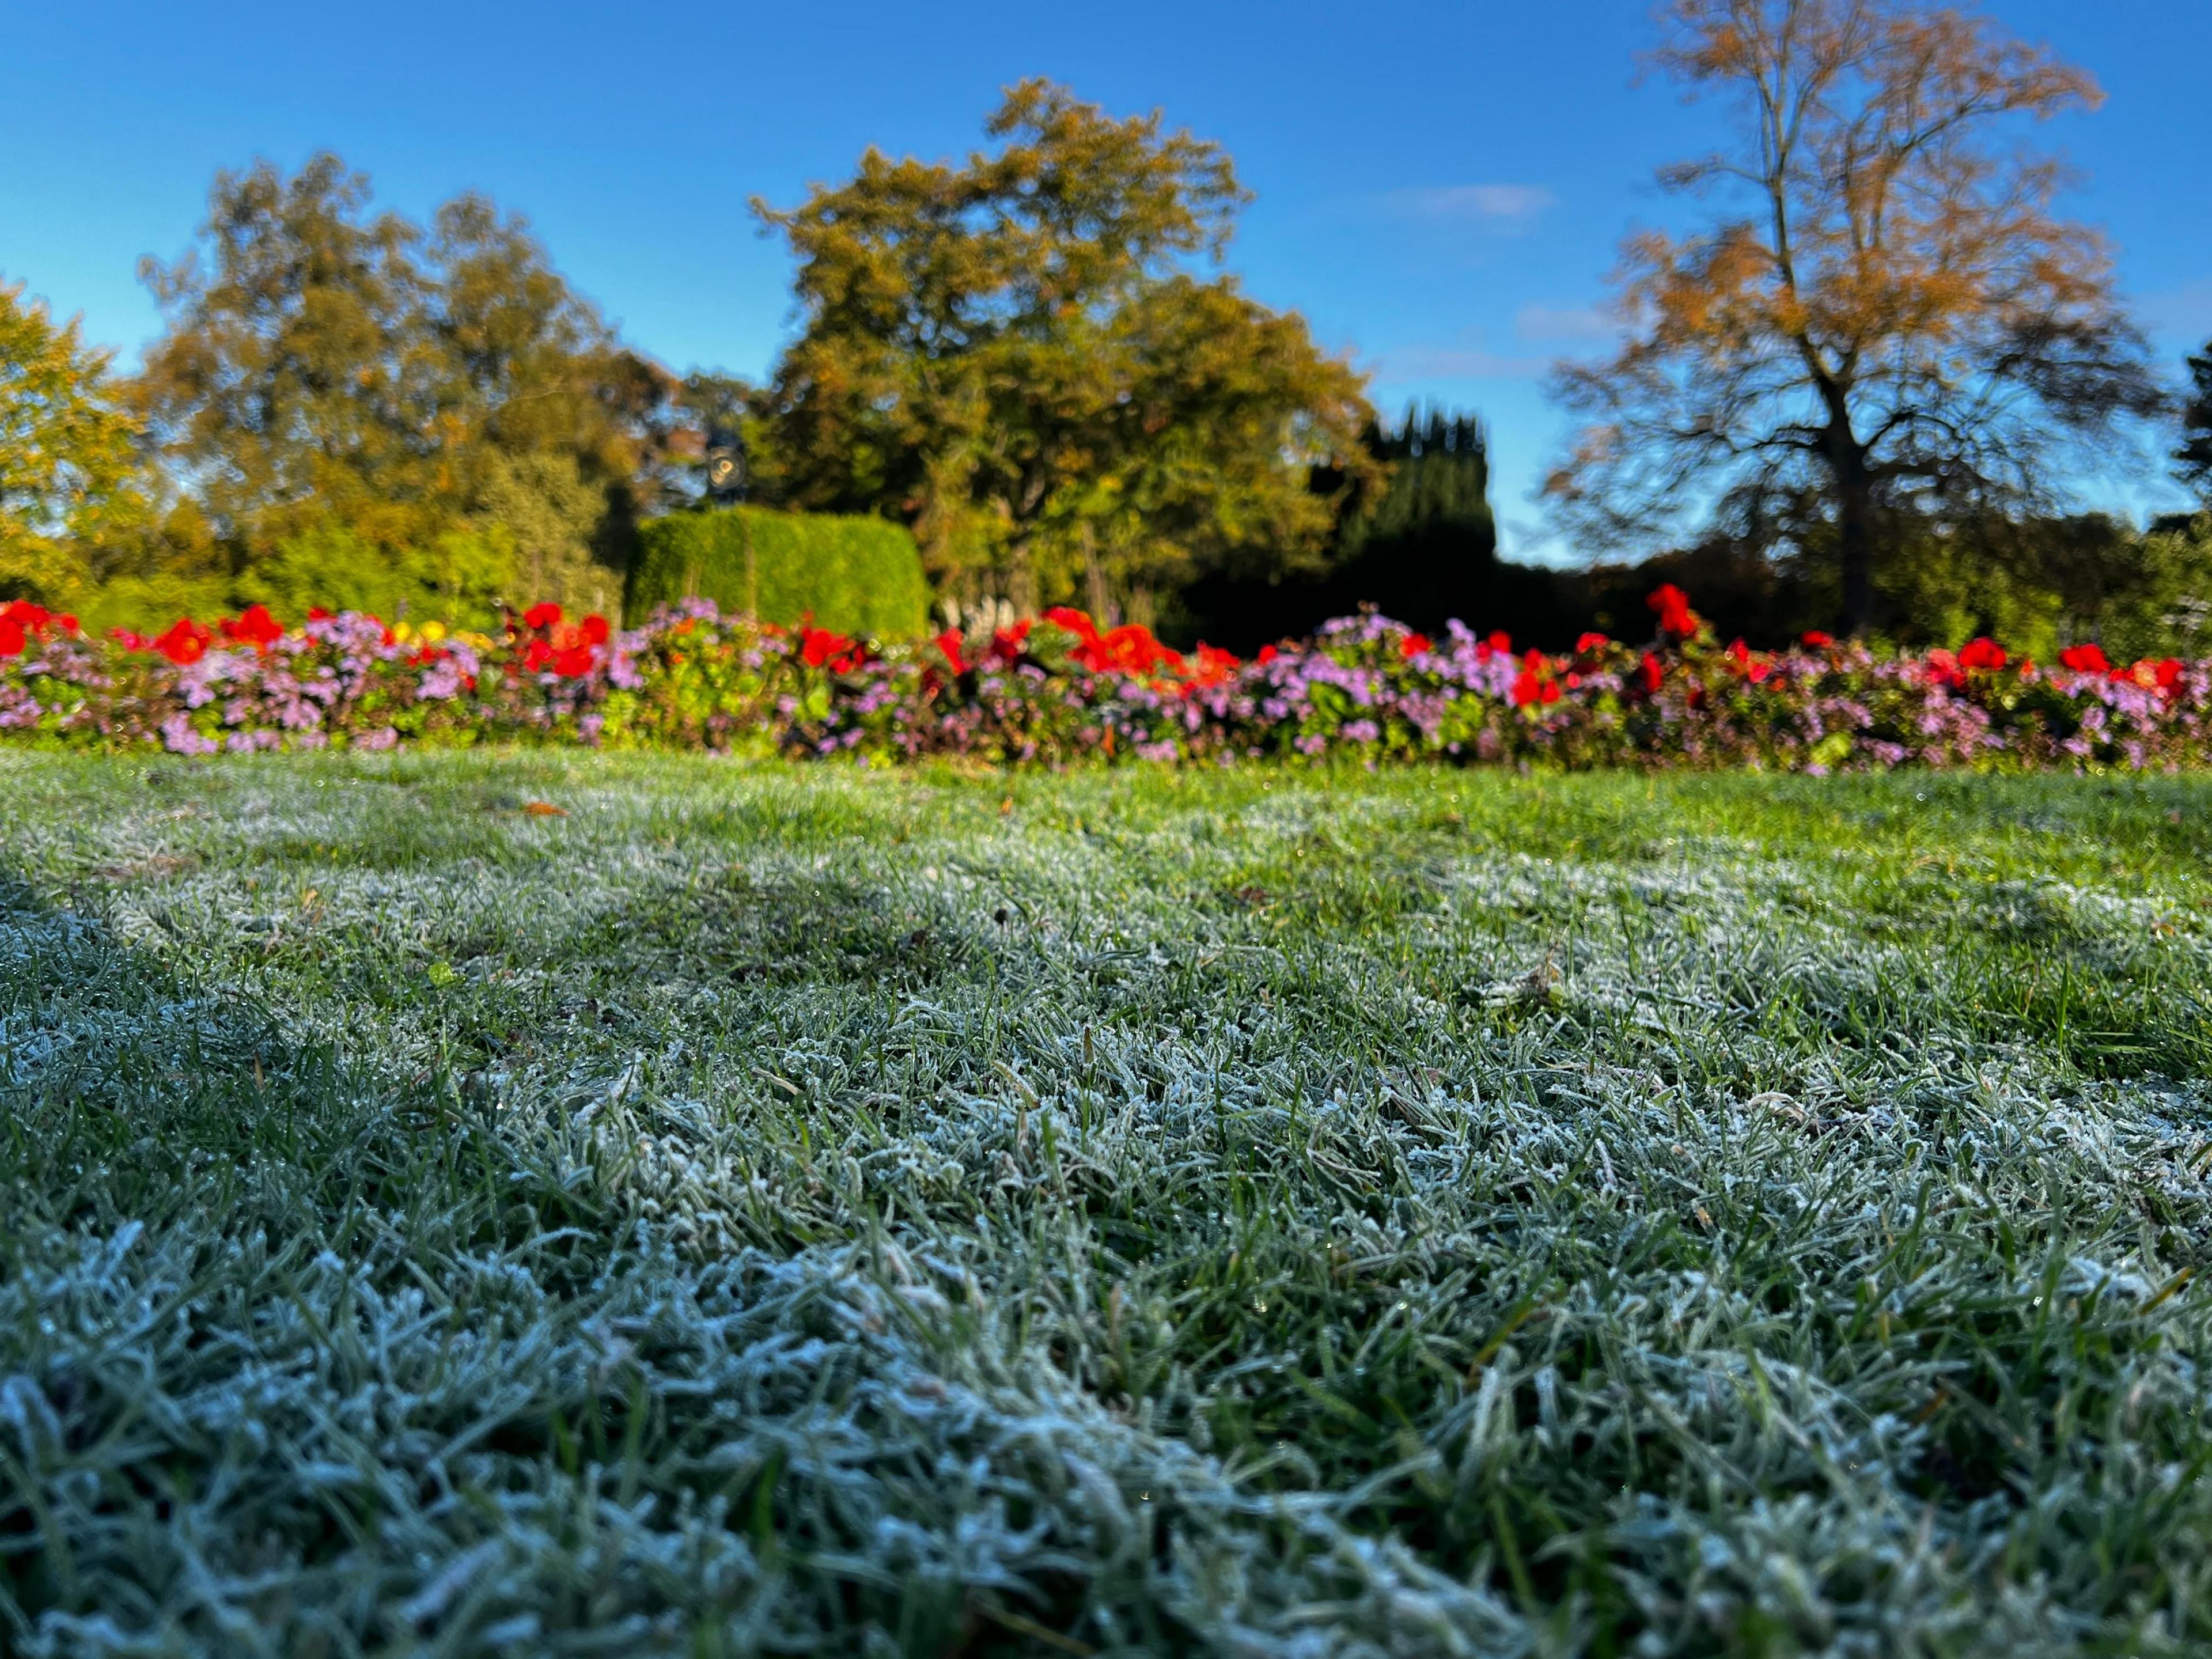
column 1535, row 322
column 1499, row 206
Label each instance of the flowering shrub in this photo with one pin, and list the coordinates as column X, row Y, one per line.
column 1061, row 688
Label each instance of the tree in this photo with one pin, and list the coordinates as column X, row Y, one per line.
column 1424, row 547
column 295, row 386
column 1016, row 357
column 1438, row 496
column 66, row 448
column 1894, row 327
column 2195, row 452
column 338, row 388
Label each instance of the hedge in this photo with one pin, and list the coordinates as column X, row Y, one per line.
column 857, row 575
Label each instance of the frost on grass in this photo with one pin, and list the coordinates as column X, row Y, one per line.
column 771, row 1212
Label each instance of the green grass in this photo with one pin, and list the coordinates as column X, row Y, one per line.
column 794, row 1210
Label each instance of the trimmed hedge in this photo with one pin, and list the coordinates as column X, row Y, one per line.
column 853, row 574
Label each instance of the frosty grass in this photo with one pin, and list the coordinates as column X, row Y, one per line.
column 557, row 1204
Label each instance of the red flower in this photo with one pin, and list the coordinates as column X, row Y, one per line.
column 949, row 643
column 128, row 640
column 1008, row 644
column 541, row 615
column 2167, row 673
column 25, row 615
column 1415, row 645
column 595, row 629
column 818, row 647
column 1075, row 621
column 316, row 613
column 537, row 656
column 68, row 621
column 1215, row 665
column 1131, row 648
column 1269, row 654
column 1673, row 605
column 1983, row 654
column 1500, row 641
column 1590, row 644
column 1649, row 674
column 1943, row 668
column 1753, row 670
column 253, row 626
column 1816, row 640
column 12, row 636
column 573, row 662
column 1535, row 683
column 184, row 642
column 2085, row 658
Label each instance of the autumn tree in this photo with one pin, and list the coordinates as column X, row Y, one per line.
column 1031, row 359
column 65, row 449
column 1886, row 325
column 341, row 390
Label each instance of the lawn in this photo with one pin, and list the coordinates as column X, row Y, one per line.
column 544, row 1204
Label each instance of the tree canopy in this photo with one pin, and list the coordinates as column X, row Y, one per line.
column 1026, row 358
column 342, row 388
column 1886, row 325
column 66, row 448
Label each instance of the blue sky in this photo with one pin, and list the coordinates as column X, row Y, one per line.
column 1440, row 187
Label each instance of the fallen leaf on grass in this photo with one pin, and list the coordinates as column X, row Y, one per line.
column 544, row 809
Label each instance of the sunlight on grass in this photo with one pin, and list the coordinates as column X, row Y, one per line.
column 768, row 1208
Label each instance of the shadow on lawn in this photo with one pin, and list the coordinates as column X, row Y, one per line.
column 185, row 1198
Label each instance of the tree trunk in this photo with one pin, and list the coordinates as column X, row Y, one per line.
column 1857, row 522
column 1854, row 529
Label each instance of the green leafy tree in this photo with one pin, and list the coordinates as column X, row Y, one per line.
column 1026, row 358
column 340, row 388
column 66, row 450
column 296, row 385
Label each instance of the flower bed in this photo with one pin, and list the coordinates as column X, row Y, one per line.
column 1061, row 690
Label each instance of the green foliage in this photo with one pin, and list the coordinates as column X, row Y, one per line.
column 1417, row 540
column 854, row 573
column 463, row 577
column 1426, row 546
column 341, row 393
column 1439, row 480
column 65, row 450
column 1025, row 359
column 2166, row 608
